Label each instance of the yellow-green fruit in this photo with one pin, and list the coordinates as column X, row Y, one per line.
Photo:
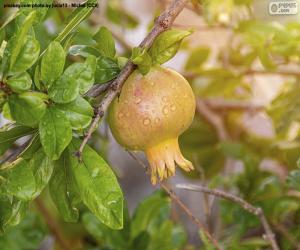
column 149, row 115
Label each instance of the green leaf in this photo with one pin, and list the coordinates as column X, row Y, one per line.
column 20, row 82
column 77, row 78
column 29, row 234
column 12, row 212
column 65, row 89
column 111, row 239
column 55, row 132
column 105, row 42
column 8, row 137
column 61, row 190
column 53, row 63
column 42, row 168
column 118, row 15
column 79, row 113
column 150, row 213
column 142, row 59
column 20, row 181
column 106, row 70
column 197, row 57
column 98, row 186
column 17, row 42
column 162, row 239
column 40, row 12
column 166, row 45
column 83, row 50
column 141, row 241
column 27, row 108
column 33, row 146
column 27, row 56
column 86, row 77
column 78, row 15
column 293, row 179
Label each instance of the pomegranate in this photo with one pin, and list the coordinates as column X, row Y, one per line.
column 149, row 115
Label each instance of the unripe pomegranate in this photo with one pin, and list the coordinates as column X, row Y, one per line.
column 149, row 115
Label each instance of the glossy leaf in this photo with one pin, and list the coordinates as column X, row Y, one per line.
column 166, row 45
column 61, row 190
column 105, row 42
column 27, row 56
column 78, row 112
column 40, row 12
column 8, row 137
column 78, row 15
column 20, row 180
column 106, row 70
column 27, row 108
column 42, row 168
column 20, row 39
column 83, row 50
column 20, row 82
column 142, row 59
column 98, row 186
column 55, row 132
column 33, row 146
column 86, row 77
column 65, row 89
column 77, row 78
column 53, row 63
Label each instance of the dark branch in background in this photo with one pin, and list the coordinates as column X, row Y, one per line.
column 53, row 226
column 162, row 23
column 257, row 211
column 184, row 208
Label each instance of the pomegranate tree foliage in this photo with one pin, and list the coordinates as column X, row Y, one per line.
column 43, row 83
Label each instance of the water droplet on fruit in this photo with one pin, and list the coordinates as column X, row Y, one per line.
column 173, row 107
column 138, row 100
column 152, row 83
column 165, row 110
column 146, row 121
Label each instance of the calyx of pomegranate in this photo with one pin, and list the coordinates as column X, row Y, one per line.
column 149, row 115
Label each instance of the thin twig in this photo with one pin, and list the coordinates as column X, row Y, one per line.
column 176, row 199
column 52, row 225
column 162, row 23
column 257, row 211
column 98, row 89
column 216, row 121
